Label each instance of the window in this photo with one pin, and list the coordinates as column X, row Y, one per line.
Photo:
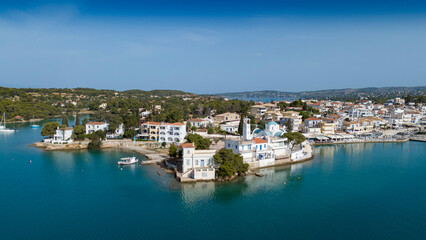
column 187, row 151
column 204, row 174
column 229, row 145
column 236, row 146
column 208, row 161
column 196, row 162
column 187, row 162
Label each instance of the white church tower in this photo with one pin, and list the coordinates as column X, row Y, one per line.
column 246, row 130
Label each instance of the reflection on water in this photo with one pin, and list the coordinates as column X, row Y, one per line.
column 273, row 178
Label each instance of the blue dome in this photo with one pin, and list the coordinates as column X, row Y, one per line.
column 257, row 130
column 271, row 123
column 278, row 133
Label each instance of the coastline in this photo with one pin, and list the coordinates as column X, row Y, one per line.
column 373, row 141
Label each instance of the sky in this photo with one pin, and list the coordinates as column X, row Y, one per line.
column 212, row 46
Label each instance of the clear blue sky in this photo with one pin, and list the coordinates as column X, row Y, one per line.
column 213, row 46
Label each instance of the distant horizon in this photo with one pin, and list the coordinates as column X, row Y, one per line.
column 216, row 93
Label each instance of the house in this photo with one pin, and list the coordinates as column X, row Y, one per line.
column 227, row 117
column 230, row 127
column 163, row 132
column 327, row 127
column 267, row 111
column 294, row 118
column 92, row 127
column 198, row 164
column 61, row 136
column 19, row 118
column 119, row 131
column 199, row 123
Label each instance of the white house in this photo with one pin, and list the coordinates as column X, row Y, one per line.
column 96, row 126
column 198, row 164
column 199, row 123
column 61, row 136
column 172, row 132
column 119, row 131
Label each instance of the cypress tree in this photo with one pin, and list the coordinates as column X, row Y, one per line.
column 77, row 120
column 240, row 125
column 64, row 120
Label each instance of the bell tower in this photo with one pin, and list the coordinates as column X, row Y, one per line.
column 246, row 130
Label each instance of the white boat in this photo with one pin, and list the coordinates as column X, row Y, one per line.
column 3, row 128
column 128, row 161
column 34, row 125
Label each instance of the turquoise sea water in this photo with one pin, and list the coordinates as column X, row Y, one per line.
column 359, row 191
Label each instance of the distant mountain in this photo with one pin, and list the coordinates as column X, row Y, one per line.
column 333, row 94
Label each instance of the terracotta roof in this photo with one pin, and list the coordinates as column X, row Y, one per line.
column 197, row 120
column 178, row 124
column 152, row 123
column 95, row 123
column 312, row 119
column 259, row 140
column 188, row 145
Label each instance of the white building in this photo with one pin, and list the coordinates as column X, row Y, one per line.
column 172, row 132
column 356, row 113
column 96, row 126
column 119, row 131
column 198, row 164
column 199, row 123
column 61, row 136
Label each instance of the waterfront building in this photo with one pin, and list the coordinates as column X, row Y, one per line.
column 119, row 132
column 163, row 132
column 61, row 136
column 96, row 126
column 197, row 164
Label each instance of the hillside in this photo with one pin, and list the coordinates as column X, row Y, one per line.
column 334, row 94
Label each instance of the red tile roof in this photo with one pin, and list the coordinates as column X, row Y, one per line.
column 259, row 140
column 312, row 119
column 188, row 145
column 197, row 120
column 95, row 123
column 152, row 123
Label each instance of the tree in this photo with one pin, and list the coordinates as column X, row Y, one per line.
column 173, row 151
column 77, row 120
column 188, row 126
column 199, row 141
column 229, row 163
column 49, row 129
column 240, row 126
column 289, row 126
column 163, row 144
column 64, row 120
column 84, row 122
column 193, row 128
column 210, row 131
column 130, row 133
column 79, row 132
column 294, row 137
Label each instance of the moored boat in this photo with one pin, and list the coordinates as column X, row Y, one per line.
column 3, row 128
column 128, row 161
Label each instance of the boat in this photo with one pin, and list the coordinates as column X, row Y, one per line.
column 3, row 128
column 34, row 125
column 128, row 161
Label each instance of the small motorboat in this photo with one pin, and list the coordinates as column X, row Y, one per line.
column 128, row 161
column 34, row 126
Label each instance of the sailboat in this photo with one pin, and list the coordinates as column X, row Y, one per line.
column 34, row 125
column 3, row 128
